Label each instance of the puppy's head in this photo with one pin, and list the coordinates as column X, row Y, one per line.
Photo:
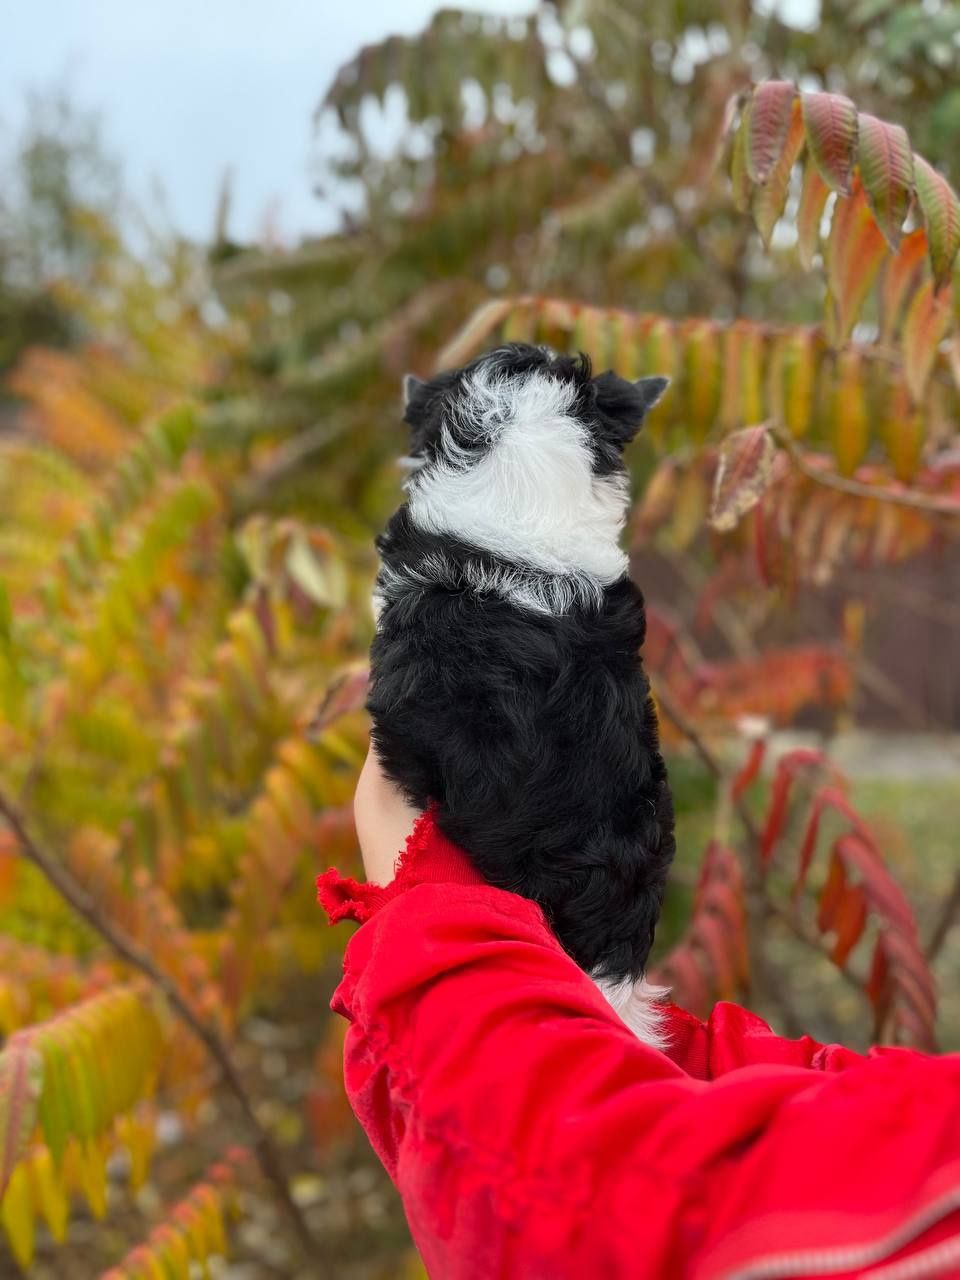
column 519, row 390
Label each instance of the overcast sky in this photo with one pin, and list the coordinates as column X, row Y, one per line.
column 189, row 87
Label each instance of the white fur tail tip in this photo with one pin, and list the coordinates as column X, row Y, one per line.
column 640, row 1005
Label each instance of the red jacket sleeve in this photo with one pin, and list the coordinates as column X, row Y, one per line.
column 531, row 1134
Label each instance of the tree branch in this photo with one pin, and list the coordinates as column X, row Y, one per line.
column 949, row 915
column 929, row 504
column 61, row 879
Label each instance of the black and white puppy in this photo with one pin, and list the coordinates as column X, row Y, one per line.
column 506, row 684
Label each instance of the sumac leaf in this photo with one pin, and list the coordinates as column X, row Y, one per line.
column 850, row 413
column 744, row 473
column 830, row 121
column 941, row 217
column 768, row 124
column 901, row 276
column 886, row 170
column 813, row 198
column 924, row 326
column 21, row 1083
column 854, row 253
column 770, row 197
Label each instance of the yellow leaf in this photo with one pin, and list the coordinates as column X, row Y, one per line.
column 49, row 1193
column 851, row 420
column 17, row 1214
column 85, row 1167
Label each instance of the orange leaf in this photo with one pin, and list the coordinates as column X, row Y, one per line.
column 769, row 199
column 813, row 197
column 901, row 276
column 854, row 252
column 849, row 919
column 924, row 326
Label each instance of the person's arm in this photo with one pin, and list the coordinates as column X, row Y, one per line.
column 531, row 1134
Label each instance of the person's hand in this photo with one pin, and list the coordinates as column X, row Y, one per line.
column 383, row 819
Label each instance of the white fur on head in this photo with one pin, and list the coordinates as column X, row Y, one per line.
column 542, row 592
column 532, row 497
column 640, row 1006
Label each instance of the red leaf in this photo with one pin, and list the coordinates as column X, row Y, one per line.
column 787, row 769
column 21, row 1082
column 683, row 973
column 768, row 123
column 715, row 941
column 831, row 124
column 849, row 919
column 750, row 768
column 885, row 895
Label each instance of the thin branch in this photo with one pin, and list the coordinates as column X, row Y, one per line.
column 73, row 893
column 672, row 711
column 929, row 504
column 949, row 915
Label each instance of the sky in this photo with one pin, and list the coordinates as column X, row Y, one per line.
column 190, row 88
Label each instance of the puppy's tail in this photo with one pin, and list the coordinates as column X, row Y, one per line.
column 640, row 1005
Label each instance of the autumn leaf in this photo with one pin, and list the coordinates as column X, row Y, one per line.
column 830, row 121
column 767, row 127
column 21, row 1083
column 813, row 199
column 941, row 217
column 886, row 169
column 744, row 473
column 925, row 324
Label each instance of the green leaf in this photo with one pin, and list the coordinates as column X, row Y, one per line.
column 21, row 1082
column 941, row 216
column 886, row 168
column 739, row 176
column 831, row 124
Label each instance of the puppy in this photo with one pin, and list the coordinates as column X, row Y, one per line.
column 507, row 686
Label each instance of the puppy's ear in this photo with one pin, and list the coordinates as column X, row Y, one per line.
column 622, row 405
column 651, row 390
column 412, row 385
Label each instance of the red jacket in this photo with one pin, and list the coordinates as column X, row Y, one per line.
column 533, row 1137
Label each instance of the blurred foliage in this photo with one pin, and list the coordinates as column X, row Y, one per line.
column 200, row 444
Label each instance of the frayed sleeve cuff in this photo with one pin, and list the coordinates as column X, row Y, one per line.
column 428, row 858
